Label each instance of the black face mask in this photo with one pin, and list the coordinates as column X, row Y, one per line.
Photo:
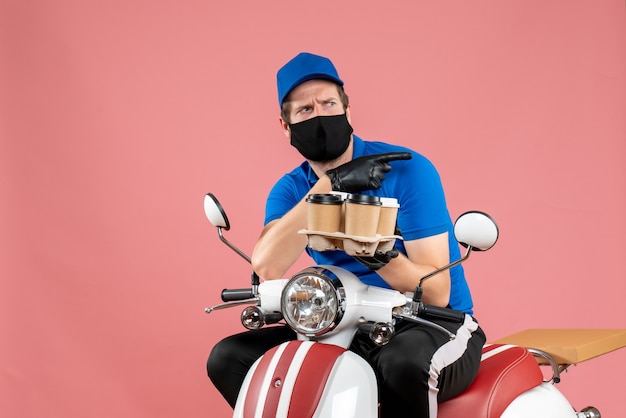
column 322, row 138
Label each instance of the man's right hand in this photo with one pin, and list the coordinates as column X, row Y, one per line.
column 364, row 173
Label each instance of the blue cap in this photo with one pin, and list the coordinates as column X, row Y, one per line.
column 304, row 67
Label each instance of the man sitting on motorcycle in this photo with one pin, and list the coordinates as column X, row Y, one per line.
column 420, row 366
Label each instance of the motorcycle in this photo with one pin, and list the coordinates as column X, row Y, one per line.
column 317, row 376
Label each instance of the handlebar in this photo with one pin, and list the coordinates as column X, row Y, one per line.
column 234, row 297
column 229, row 295
column 434, row 313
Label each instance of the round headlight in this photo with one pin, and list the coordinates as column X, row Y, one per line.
column 313, row 302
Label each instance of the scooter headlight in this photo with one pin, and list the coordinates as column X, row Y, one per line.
column 313, row 301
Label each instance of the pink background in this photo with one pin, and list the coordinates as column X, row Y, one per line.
column 117, row 117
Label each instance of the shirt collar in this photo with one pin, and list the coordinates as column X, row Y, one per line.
column 358, row 149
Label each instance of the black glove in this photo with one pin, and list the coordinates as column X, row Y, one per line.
column 379, row 260
column 364, row 173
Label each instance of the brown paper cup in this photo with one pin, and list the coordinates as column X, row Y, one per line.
column 388, row 216
column 324, row 212
column 362, row 214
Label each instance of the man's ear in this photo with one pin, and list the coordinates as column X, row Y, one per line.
column 348, row 114
column 285, row 127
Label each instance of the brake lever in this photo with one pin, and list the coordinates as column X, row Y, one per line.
column 231, row 304
column 405, row 312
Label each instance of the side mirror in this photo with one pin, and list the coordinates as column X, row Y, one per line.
column 217, row 216
column 476, row 230
column 215, row 212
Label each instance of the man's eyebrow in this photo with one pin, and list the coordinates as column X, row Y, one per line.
column 301, row 104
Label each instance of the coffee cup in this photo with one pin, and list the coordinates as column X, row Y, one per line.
column 324, row 212
column 388, row 216
column 344, row 196
column 362, row 214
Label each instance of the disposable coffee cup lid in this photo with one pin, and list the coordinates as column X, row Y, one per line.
column 363, row 199
column 344, row 195
column 389, row 202
column 325, row 199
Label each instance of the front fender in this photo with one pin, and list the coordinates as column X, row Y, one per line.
column 303, row 378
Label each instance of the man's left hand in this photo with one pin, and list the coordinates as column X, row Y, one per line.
column 379, row 260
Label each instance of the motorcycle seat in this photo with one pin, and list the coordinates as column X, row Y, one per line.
column 505, row 372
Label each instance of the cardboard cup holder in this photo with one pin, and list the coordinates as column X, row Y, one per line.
column 352, row 244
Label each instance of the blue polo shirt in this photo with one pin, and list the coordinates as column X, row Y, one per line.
column 423, row 212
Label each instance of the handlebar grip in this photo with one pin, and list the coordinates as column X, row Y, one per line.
column 229, row 295
column 435, row 312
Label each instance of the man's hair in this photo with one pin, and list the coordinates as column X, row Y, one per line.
column 286, row 108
